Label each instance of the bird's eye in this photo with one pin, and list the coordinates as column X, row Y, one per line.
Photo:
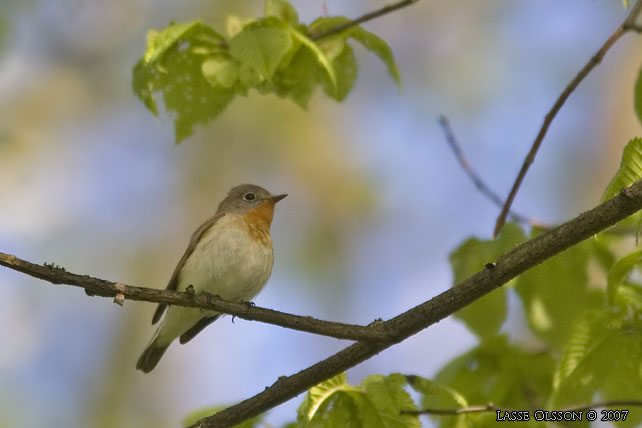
column 249, row 197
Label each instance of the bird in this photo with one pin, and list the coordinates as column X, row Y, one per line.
column 230, row 255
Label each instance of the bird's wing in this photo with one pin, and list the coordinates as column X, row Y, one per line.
column 197, row 328
column 173, row 281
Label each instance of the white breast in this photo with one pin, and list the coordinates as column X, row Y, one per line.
column 228, row 262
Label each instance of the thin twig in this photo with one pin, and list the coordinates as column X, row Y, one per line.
column 476, row 179
column 609, row 403
column 515, row 262
column 626, row 26
column 451, row 412
column 101, row 287
column 490, row 407
column 363, row 18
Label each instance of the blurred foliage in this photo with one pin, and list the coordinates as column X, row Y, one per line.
column 495, row 372
column 637, row 96
column 200, row 72
column 375, row 403
column 485, row 316
column 4, row 30
column 630, row 169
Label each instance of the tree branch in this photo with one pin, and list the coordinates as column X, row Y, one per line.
column 476, row 179
column 397, row 329
column 490, row 407
column 363, row 18
column 101, row 287
column 494, row 275
column 627, row 25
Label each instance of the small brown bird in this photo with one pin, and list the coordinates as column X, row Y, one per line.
column 230, row 255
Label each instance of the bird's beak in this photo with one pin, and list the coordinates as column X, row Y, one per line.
column 277, row 198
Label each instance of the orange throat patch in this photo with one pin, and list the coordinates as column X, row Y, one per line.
column 258, row 221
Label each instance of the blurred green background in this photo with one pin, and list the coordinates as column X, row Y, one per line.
column 91, row 181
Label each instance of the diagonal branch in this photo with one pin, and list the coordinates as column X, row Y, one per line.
column 397, row 329
column 101, row 287
column 363, row 18
column 494, row 275
column 475, row 178
column 627, row 25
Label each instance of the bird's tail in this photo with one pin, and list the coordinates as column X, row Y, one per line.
column 151, row 355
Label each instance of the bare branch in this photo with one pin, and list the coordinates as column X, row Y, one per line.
column 101, row 287
column 507, row 267
column 626, row 26
column 476, row 179
column 363, row 18
column 490, row 407
column 452, row 412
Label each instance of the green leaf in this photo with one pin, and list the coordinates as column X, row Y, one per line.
column 340, row 410
column 318, row 395
column 220, row 71
column 630, row 169
column 629, row 298
column 486, row 316
column 603, row 357
column 437, row 396
column 159, row 42
column 283, row 10
column 199, row 73
column 388, row 397
column 260, row 47
column 320, row 56
column 557, row 292
column 145, row 82
column 332, row 46
column 197, row 415
column 369, row 40
column 376, row 403
column 500, row 373
column 620, row 271
column 299, row 79
column 234, row 25
column 174, row 67
column 345, row 67
column 379, row 47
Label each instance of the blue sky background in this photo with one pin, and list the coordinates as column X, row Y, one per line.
column 92, row 181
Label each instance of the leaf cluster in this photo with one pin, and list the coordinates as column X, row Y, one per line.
column 199, row 71
column 375, row 403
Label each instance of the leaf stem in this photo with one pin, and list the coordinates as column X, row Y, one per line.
column 490, row 407
column 363, row 18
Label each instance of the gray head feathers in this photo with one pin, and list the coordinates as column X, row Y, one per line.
column 245, row 197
